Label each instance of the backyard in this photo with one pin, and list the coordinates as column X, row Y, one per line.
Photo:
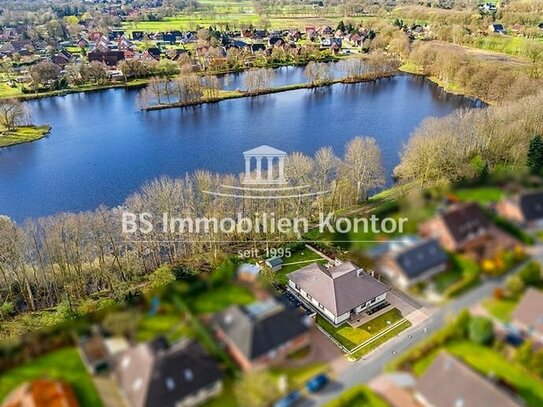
column 64, row 365
column 298, row 259
column 500, row 308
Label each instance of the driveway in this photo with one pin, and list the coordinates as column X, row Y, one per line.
column 371, row 365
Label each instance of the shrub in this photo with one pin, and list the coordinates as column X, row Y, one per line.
column 530, row 274
column 481, row 330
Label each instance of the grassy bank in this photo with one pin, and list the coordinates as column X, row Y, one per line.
column 23, row 134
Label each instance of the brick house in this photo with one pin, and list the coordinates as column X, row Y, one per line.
column 525, row 208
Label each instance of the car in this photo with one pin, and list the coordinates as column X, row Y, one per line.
column 289, row 400
column 317, row 383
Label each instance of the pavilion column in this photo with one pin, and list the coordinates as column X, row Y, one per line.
column 281, row 168
column 247, row 168
column 258, row 168
column 270, row 168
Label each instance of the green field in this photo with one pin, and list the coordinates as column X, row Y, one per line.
column 64, row 365
column 500, row 308
column 217, row 299
column 357, row 396
column 23, row 134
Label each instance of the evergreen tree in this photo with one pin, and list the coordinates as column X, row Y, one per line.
column 535, row 155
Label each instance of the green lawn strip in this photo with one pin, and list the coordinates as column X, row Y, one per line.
column 380, row 339
column 65, row 365
column 219, row 298
column 350, row 337
column 489, row 362
column 482, row 195
column 23, row 134
column 170, row 326
column 357, row 396
column 500, row 308
column 297, row 376
column 470, row 274
column 227, row 398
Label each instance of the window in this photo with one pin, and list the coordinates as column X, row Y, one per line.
column 321, row 306
column 309, row 297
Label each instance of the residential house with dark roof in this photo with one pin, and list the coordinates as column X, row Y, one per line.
column 525, row 208
column 42, row 393
column 450, row 383
column 110, row 58
column 466, row 228
column 406, row 263
column 528, row 315
column 497, row 28
column 339, row 293
column 155, row 374
column 274, row 263
column 263, row 333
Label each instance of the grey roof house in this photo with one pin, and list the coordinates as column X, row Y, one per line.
column 261, row 333
column 528, row 315
column 450, row 383
column 155, row 374
column 525, row 208
column 411, row 263
column 338, row 293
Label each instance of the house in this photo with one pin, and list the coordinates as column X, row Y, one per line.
column 263, row 333
column 540, row 26
column 154, row 52
column 82, row 43
column 257, row 47
column 408, row 263
column 248, row 272
column 450, row 383
column 138, row 35
column 110, row 58
column 274, row 263
column 42, row 393
column 155, row 374
column 528, row 315
column 465, row 228
column 488, row 8
column 338, row 293
column 275, row 41
column 496, row 28
column 525, row 209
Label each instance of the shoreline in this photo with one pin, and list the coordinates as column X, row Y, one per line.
column 24, row 134
column 269, row 91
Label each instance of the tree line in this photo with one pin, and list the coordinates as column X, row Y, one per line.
column 77, row 258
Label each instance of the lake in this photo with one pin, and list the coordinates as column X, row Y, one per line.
column 102, row 149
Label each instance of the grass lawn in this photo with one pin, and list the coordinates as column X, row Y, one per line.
column 64, row 365
column 227, row 397
column 500, row 308
column 217, row 299
column 22, row 134
column 357, row 396
column 351, row 337
column 482, row 195
column 171, row 326
column 297, row 376
column 297, row 260
column 463, row 275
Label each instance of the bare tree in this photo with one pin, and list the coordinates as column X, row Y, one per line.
column 13, row 113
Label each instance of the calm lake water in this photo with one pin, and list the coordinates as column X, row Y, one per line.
column 101, row 149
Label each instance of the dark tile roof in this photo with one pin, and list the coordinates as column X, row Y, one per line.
column 340, row 288
column 449, row 383
column 466, row 221
column 423, row 256
column 152, row 374
column 260, row 327
column 531, row 205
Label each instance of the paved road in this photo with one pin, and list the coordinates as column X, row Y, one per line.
column 371, row 366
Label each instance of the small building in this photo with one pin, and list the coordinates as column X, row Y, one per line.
column 94, row 354
column 274, row 263
column 248, row 272
column 450, row 383
column 465, row 228
column 338, row 293
column 528, row 315
column 263, row 333
column 155, row 374
column 407, row 264
column 525, row 209
column 42, row 393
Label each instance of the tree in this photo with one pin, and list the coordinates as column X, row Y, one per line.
column 537, row 363
column 161, row 278
column 515, row 286
column 362, row 166
column 44, row 74
column 6, row 309
column 13, row 113
column 257, row 79
column 256, row 389
column 535, row 155
column 481, row 330
column 530, row 274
